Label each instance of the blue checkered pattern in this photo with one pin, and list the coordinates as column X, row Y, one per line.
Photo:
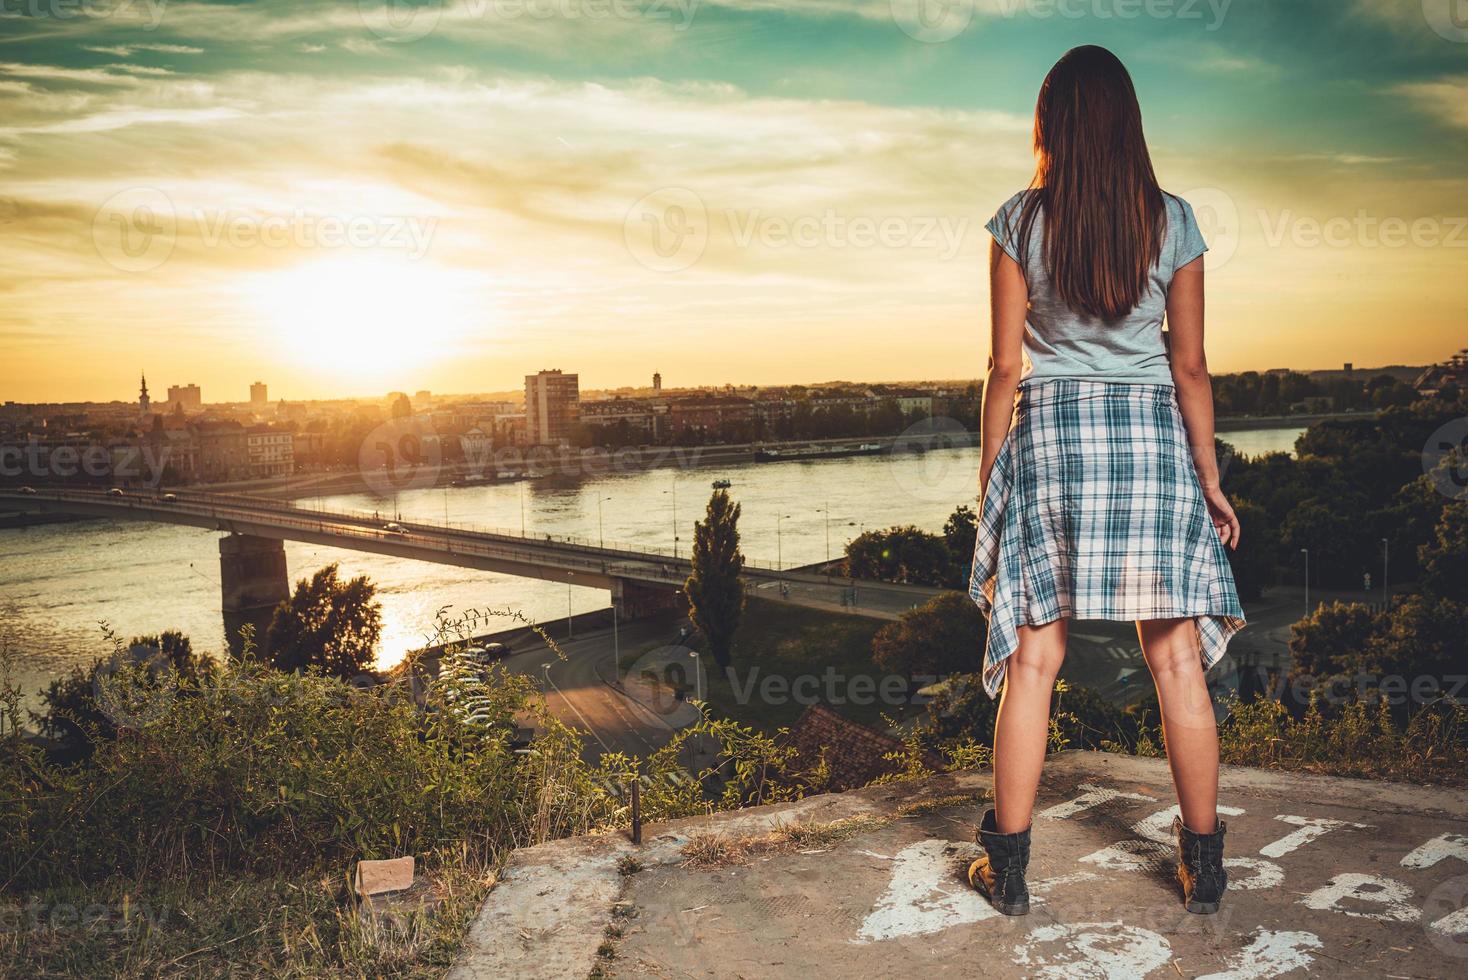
column 1094, row 511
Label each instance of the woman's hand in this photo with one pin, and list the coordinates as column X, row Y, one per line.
column 1221, row 512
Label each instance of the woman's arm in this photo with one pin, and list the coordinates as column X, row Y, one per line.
column 1009, row 304
column 1195, row 391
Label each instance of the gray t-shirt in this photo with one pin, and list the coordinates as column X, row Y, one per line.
column 1061, row 343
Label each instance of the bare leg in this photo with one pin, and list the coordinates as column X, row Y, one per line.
column 1022, row 727
column 1188, row 725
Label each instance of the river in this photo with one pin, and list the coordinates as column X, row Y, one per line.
column 59, row 583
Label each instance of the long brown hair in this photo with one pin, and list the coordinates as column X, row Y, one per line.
column 1104, row 213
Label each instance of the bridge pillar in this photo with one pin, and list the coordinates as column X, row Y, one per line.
column 634, row 600
column 253, row 581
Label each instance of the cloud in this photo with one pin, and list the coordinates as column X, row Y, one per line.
column 128, row 50
column 1446, row 99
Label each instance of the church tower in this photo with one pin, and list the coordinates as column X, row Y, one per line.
column 143, row 400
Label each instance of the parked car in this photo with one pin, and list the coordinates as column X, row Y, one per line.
column 115, row 492
column 497, row 651
column 27, row 490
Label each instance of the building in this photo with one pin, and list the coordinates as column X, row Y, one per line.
column 188, row 397
column 552, row 407
column 657, row 381
column 223, row 455
column 259, row 395
column 144, row 402
column 270, row 451
column 1451, row 376
column 707, row 413
column 638, row 417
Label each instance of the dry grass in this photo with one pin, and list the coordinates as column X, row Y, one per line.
column 717, row 850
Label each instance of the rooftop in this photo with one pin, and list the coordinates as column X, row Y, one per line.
column 1352, row 877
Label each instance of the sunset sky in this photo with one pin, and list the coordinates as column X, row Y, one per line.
column 341, row 200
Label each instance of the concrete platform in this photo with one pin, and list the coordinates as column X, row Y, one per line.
column 1329, row 876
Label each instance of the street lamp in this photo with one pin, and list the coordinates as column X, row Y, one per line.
column 545, row 670
column 697, row 676
column 674, row 492
column 600, row 534
column 570, row 628
column 1386, row 551
column 779, row 551
column 522, row 510
column 616, row 645
column 825, row 513
column 1306, row 553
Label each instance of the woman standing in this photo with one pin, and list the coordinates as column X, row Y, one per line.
column 1100, row 491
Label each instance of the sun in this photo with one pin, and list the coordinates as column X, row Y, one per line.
column 367, row 317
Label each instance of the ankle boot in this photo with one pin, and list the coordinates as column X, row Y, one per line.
column 1000, row 873
column 1200, row 867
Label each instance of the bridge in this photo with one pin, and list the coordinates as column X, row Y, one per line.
column 254, row 578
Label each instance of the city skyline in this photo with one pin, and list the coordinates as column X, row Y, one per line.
column 316, row 195
column 664, row 388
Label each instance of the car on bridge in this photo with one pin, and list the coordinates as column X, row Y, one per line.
column 394, row 528
column 28, row 490
column 115, row 492
column 169, row 498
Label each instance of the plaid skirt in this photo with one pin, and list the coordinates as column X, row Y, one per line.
column 1094, row 511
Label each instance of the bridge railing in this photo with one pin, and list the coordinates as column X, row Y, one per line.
column 595, row 553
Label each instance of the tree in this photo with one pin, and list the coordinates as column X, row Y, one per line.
column 1445, row 559
column 960, row 534
column 899, row 554
column 1253, row 560
column 1334, row 639
column 72, row 715
column 715, row 590
column 327, row 623
column 943, row 636
column 1423, row 635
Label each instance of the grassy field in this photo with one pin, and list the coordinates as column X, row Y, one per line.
column 787, row 657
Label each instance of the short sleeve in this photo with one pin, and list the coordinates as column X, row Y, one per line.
column 1005, row 225
column 1188, row 242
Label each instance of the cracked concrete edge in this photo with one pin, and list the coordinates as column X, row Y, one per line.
column 548, row 914
column 1365, row 794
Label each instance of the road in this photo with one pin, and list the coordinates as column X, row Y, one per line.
column 577, row 689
